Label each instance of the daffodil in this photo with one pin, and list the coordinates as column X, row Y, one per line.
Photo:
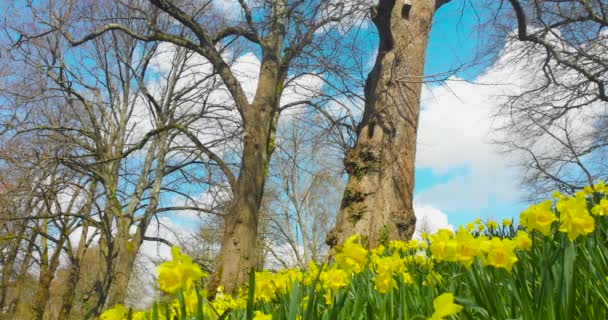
column 334, row 279
column 181, row 273
column 492, row 225
column 500, row 253
column 600, row 209
column 443, row 245
column 223, row 301
column 352, row 256
column 538, row 217
column 259, row 315
column 311, row 274
column 265, row 289
column 386, row 268
column 467, row 247
column 118, row 312
column 407, row 278
column 574, row 217
column 444, row 306
column 522, row 240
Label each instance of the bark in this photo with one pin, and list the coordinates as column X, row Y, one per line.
column 122, row 253
column 42, row 295
column 122, row 266
column 378, row 200
column 238, row 255
column 7, row 271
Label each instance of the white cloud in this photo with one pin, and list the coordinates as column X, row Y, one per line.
column 458, row 125
column 430, row 220
column 166, row 229
column 455, row 131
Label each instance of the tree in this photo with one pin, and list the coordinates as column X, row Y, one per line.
column 285, row 34
column 114, row 127
column 378, row 198
column 302, row 194
column 556, row 123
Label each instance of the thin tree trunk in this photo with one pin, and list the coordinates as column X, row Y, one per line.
column 47, row 274
column 23, row 272
column 45, row 278
column 42, row 295
column 110, row 251
column 125, row 252
column 378, row 200
column 127, row 246
column 67, row 300
column 7, row 271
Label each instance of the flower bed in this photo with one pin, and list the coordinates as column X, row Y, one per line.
column 553, row 264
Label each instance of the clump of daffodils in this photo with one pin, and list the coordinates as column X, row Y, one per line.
column 425, row 266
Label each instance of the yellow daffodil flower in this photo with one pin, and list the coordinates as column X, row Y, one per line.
column 444, row 306
column 118, row 312
column 538, row 217
column 259, row 315
column 574, row 217
column 522, row 240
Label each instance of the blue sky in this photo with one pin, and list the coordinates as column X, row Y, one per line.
column 456, row 41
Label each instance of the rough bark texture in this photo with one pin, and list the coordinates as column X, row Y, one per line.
column 122, row 267
column 238, row 255
column 378, row 200
column 7, row 271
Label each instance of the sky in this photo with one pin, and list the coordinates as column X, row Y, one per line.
column 460, row 174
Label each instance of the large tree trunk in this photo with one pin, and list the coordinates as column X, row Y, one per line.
column 238, row 254
column 378, row 200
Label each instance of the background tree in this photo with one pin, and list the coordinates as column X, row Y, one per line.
column 302, row 194
column 285, row 35
column 555, row 120
column 100, row 111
